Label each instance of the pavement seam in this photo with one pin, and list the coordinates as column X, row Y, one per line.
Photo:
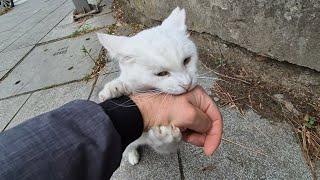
column 36, row 44
column 51, row 86
column 65, row 37
column 93, row 87
column 10, row 70
column 180, row 165
column 16, row 112
column 44, row 88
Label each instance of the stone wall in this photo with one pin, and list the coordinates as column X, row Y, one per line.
column 286, row 30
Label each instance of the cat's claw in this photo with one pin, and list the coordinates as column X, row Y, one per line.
column 133, row 157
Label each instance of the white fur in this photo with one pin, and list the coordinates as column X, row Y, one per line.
column 141, row 57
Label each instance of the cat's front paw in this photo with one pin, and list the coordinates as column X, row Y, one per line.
column 167, row 134
column 104, row 95
column 133, row 157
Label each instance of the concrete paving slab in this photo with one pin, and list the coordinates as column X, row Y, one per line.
column 9, row 59
column 100, row 21
column 23, row 19
column 255, row 149
column 44, row 27
column 151, row 166
column 68, row 27
column 52, row 64
column 65, row 28
column 9, row 107
column 47, row 100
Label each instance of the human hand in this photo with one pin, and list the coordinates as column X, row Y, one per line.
column 194, row 111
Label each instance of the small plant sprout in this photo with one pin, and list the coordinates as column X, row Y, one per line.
column 310, row 122
column 87, row 52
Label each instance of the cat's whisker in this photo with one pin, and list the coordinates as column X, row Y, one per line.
column 213, row 78
column 206, row 72
column 160, row 109
column 123, row 105
column 204, row 77
column 147, row 91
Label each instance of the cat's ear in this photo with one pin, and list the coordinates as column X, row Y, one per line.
column 116, row 46
column 176, row 21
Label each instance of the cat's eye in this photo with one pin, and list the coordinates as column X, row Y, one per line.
column 163, row 73
column 186, row 60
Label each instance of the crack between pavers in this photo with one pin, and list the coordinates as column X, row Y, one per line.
column 16, row 113
column 68, row 37
column 53, row 27
column 93, row 87
column 11, row 69
column 180, row 165
column 44, row 88
column 51, row 86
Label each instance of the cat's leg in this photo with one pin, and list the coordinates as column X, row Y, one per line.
column 113, row 89
column 132, row 150
column 164, row 139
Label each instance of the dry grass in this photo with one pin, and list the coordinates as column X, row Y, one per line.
column 99, row 63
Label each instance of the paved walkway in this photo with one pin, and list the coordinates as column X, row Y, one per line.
column 42, row 67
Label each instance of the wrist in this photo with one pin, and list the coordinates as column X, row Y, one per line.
column 155, row 108
column 143, row 108
column 126, row 118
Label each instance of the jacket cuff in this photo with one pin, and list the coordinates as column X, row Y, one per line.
column 126, row 118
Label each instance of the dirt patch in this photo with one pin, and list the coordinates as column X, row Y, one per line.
column 242, row 88
column 5, row 10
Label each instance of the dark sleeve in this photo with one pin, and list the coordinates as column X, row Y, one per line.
column 76, row 141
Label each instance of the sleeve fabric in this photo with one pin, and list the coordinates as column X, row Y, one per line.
column 76, row 141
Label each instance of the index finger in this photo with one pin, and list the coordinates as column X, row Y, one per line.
column 214, row 135
column 199, row 98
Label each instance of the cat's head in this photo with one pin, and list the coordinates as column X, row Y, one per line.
column 162, row 58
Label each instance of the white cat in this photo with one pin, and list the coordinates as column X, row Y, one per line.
column 161, row 58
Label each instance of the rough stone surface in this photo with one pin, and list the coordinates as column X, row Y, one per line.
column 67, row 26
column 285, row 30
column 100, row 21
column 10, row 58
column 30, row 27
column 49, row 99
column 255, row 148
column 63, row 29
column 24, row 18
column 52, row 64
column 151, row 166
column 9, row 107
